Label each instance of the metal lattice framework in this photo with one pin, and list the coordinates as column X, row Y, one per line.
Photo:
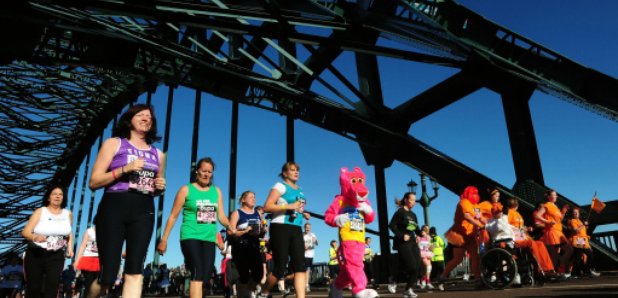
column 75, row 64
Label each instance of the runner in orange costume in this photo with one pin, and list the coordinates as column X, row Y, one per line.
column 553, row 237
column 463, row 234
column 580, row 240
column 486, row 208
column 523, row 240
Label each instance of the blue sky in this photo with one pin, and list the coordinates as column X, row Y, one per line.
column 577, row 148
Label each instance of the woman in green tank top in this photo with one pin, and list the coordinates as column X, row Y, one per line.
column 202, row 208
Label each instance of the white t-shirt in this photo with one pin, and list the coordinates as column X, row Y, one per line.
column 310, row 244
column 56, row 227
column 91, row 244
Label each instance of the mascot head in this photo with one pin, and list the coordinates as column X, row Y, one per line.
column 353, row 187
column 471, row 194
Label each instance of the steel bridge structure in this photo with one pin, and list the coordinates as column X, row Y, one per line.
column 75, row 64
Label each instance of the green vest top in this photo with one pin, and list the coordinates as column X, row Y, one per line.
column 199, row 215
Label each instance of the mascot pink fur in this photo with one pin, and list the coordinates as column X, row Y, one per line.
column 350, row 211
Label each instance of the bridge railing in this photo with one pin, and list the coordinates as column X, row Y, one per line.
column 608, row 239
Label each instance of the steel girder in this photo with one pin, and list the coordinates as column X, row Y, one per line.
column 102, row 54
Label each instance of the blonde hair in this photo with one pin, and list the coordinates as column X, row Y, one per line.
column 244, row 195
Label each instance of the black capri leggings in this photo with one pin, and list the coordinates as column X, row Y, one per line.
column 123, row 216
column 287, row 243
column 248, row 260
column 199, row 258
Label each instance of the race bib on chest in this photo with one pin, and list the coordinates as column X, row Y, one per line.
column 256, row 227
column 142, row 181
column 94, row 248
column 309, row 243
column 55, row 242
column 206, row 212
column 357, row 224
column 519, row 234
column 477, row 213
column 580, row 241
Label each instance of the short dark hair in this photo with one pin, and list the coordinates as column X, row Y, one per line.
column 46, row 195
column 124, row 126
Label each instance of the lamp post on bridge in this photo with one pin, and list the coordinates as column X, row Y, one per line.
column 425, row 200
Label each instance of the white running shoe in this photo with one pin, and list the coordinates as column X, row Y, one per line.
column 517, row 279
column 430, row 286
column 423, row 285
column 334, row 292
column 441, row 287
column 409, row 294
column 392, row 288
column 492, row 278
column 366, row 293
column 566, row 275
column 594, row 273
column 307, row 289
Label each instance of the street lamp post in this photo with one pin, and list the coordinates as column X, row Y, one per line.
column 425, row 200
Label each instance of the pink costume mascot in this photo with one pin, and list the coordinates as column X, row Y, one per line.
column 350, row 211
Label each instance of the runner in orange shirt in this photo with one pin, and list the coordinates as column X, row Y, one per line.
column 581, row 246
column 553, row 236
column 523, row 240
column 486, row 208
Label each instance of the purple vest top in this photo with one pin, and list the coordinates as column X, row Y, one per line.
column 140, row 181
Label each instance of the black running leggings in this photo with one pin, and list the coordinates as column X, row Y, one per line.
column 121, row 217
column 199, row 258
column 409, row 261
column 287, row 244
column 248, row 260
column 42, row 270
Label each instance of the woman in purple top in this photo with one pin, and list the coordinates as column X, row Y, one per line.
column 131, row 170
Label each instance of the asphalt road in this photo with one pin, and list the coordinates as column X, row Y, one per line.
column 604, row 286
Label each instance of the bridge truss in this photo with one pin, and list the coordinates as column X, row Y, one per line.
column 74, row 65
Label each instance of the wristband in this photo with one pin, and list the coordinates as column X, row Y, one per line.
column 114, row 174
column 283, row 207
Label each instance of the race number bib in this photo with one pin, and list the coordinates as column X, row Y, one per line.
column 423, row 245
column 519, row 234
column 477, row 213
column 309, row 243
column 142, row 181
column 94, row 247
column 206, row 212
column 256, row 227
column 55, row 242
column 357, row 224
column 580, row 241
